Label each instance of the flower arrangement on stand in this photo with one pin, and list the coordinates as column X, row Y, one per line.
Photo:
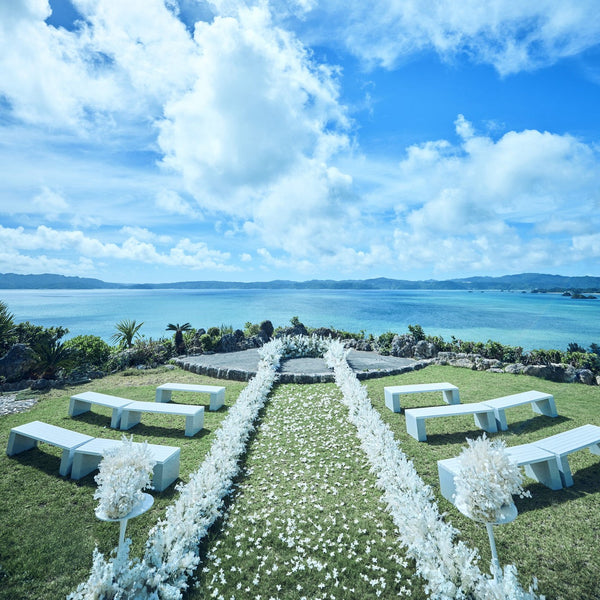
column 486, row 481
column 123, row 473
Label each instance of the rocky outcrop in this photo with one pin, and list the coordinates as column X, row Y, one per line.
column 17, row 363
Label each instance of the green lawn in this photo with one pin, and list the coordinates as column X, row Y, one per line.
column 49, row 530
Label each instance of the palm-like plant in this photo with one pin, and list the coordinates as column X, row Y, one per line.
column 7, row 326
column 51, row 356
column 127, row 330
column 179, row 329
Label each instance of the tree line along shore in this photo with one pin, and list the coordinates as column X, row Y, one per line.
column 37, row 357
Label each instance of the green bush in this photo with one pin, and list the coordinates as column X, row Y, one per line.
column 206, row 342
column 251, row 329
column 417, row 332
column 544, row 357
column 32, row 335
column 267, row 328
column 7, row 327
column 584, row 360
column 384, row 342
column 89, row 351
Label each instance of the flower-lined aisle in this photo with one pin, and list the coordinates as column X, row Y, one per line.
column 307, row 520
column 172, row 548
column 448, row 566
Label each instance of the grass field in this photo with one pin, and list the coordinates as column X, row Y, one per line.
column 305, row 520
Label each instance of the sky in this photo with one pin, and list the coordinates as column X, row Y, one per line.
column 183, row 140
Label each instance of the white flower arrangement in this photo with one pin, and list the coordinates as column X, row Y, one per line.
column 123, row 473
column 486, row 480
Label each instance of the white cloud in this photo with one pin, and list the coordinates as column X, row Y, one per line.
column 50, row 203
column 171, row 202
column 529, row 198
column 511, row 36
column 186, row 253
column 259, row 107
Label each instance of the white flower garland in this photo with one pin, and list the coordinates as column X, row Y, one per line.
column 449, row 567
column 172, row 547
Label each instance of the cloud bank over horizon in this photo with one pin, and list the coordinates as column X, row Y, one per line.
column 158, row 140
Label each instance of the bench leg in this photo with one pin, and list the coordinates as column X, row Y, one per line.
column 500, row 416
column 115, row 418
column 83, row 464
column 416, row 427
column 392, row 401
column 451, row 396
column 545, row 407
column 194, row 423
column 565, row 470
column 78, row 407
column 65, row 462
column 163, row 396
column 165, row 473
column 595, row 449
column 19, row 443
column 546, row 472
column 486, row 421
column 217, row 400
column 129, row 418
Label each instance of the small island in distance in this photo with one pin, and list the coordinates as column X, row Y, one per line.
column 576, row 287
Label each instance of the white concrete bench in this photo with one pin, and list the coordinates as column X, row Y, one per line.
column 194, row 415
column 392, row 394
column 217, row 393
column 415, row 417
column 539, row 464
column 541, row 403
column 27, row 436
column 87, row 457
column 82, row 403
column 563, row 444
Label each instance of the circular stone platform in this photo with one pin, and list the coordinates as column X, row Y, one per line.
column 242, row 366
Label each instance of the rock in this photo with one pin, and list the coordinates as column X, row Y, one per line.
column 227, row 343
column 296, row 330
column 423, row 349
column 402, row 346
column 514, row 368
column 40, row 384
column 17, row 362
column 585, row 376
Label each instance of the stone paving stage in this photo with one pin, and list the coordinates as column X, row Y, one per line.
column 242, row 366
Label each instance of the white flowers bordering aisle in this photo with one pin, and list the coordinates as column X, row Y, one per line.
column 172, row 547
column 448, row 566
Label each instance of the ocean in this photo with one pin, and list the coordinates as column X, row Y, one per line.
column 533, row 321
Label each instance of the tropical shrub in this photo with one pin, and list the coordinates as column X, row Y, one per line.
column 267, row 328
column 384, row 342
column 89, row 351
column 417, row 332
column 145, row 352
column 583, row 360
column 32, row 335
column 52, row 356
column 179, row 330
column 251, row 329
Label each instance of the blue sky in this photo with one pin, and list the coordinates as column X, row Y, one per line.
column 171, row 140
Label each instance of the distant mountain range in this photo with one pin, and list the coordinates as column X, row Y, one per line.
column 524, row 281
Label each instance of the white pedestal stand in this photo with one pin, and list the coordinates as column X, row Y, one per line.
column 138, row 509
column 509, row 513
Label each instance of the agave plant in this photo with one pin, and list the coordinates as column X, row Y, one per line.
column 179, row 329
column 127, row 330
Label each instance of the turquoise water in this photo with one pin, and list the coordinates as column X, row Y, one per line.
column 527, row 320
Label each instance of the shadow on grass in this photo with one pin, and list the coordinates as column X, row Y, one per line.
column 527, row 426
column 586, row 482
column 40, row 460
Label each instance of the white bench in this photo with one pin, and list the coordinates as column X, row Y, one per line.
column 87, row 457
column 415, row 417
column 217, row 393
column 541, row 403
column 82, row 403
column 539, row 464
column 392, row 394
column 27, row 436
column 131, row 414
column 562, row 444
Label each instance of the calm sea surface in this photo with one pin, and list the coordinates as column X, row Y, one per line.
column 518, row 319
